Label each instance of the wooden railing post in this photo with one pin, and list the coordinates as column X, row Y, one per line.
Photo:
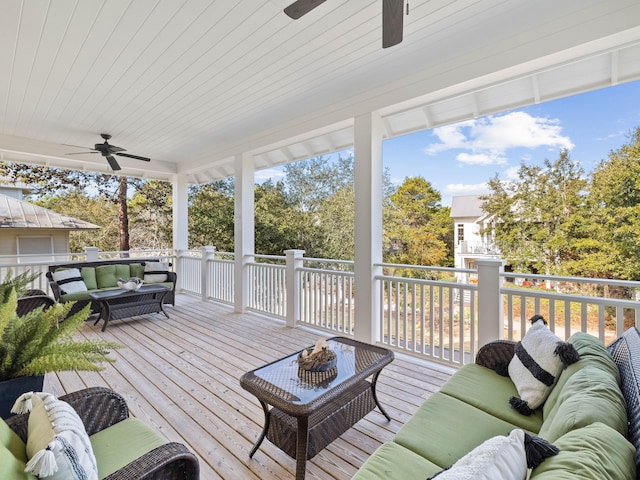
column 490, row 305
column 208, row 253
column 294, row 261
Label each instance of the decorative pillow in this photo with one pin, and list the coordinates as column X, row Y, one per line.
column 69, row 280
column 538, row 361
column 504, row 458
column 156, row 272
column 58, row 446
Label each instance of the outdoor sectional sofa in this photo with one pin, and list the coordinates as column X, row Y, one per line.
column 592, row 416
column 103, row 275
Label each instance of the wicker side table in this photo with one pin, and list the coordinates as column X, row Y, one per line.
column 306, row 411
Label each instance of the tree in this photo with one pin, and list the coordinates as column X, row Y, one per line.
column 211, row 217
column 151, row 216
column 614, row 192
column 418, row 226
column 535, row 219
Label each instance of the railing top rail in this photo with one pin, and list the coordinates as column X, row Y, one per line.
column 327, row 260
column 595, row 281
column 608, row 301
column 269, row 257
column 422, row 267
column 421, row 281
column 266, row 265
column 324, row 270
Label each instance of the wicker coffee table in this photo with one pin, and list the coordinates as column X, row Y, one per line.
column 306, row 411
column 115, row 304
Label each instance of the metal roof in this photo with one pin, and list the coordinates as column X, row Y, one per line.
column 15, row 213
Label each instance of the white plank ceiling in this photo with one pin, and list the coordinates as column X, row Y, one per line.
column 192, row 83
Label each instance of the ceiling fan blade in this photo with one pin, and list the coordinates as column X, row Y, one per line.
column 81, row 153
column 112, row 163
column 301, row 7
column 134, row 156
column 392, row 11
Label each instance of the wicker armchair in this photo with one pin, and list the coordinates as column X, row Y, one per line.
column 33, row 299
column 99, row 408
column 496, row 356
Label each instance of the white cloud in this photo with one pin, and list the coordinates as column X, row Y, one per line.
column 455, row 189
column 487, row 139
column 274, row 174
column 480, row 159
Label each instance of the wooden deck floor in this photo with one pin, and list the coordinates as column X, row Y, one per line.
column 182, row 376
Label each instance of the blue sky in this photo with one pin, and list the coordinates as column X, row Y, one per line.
column 458, row 159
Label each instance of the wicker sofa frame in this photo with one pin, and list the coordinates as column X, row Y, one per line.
column 99, row 408
column 170, row 298
column 625, row 352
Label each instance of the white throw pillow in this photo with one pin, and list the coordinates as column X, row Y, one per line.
column 69, row 280
column 501, row 458
column 58, row 447
column 155, row 272
column 538, row 361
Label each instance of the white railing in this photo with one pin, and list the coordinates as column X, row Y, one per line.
column 326, row 295
column 267, row 285
column 424, row 311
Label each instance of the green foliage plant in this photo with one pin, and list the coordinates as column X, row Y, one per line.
column 44, row 341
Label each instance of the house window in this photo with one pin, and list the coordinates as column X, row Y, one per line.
column 32, row 246
column 460, row 232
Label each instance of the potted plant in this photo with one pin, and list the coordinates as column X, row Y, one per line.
column 40, row 342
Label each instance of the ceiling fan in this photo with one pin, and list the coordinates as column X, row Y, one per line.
column 391, row 17
column 108, row 151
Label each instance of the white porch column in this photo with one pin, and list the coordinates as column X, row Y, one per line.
column 244, row 236
column 294, row 261
column 368, row 225
column 490, row 311
column 180, row 213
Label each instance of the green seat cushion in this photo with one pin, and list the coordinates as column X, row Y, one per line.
column 136, row 270
column 74, row 297
column 89, row 277
column 444, row 429
column 12, row 468
column 106, row 276
column 10, row 440
column 122, row 443
column 393, row 461
column 590, row 395
column 482, row 388
column 595, row 452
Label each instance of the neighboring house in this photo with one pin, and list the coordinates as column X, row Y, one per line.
column 470, row 240
column 27, row 229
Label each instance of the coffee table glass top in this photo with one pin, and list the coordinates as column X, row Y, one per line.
column 285, row 379
column 121, row 292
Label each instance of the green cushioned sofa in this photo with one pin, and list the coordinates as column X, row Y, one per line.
column 125, row 448
column 103, row 275
column 592, row 415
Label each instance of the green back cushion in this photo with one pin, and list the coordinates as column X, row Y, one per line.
column 10, row 440
column 106, row 276
column 12, row 468
column 592, row 353
column 122, row 271
column 89, row 277
column 120, row 444
column 590, row 395
column 595, row 452
column 137, row 270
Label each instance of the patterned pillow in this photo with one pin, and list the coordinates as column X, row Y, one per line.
column 69, row 280
column 155, row 272
column 58, row 447
column 504, row 458
column 538, row 361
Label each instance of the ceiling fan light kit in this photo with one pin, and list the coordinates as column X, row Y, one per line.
column 392, row 21
column 108, row 151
